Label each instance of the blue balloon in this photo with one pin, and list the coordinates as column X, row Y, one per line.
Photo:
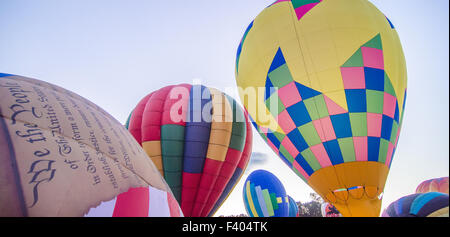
column 265, row 196
column 293, row 208
column 432, row 204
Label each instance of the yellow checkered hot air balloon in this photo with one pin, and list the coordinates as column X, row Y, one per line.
column 324, row 82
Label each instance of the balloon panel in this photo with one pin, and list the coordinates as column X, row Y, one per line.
column 64, row 156
column 139, row 202
column 333, row 93
column 434, row 185
column 241, row 166
column 198, row 137
column 265, row 196
column 328, row 210
column 293, row 208
column 431, row 204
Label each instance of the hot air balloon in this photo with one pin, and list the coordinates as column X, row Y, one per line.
column 293, row 207
column 199, row 139
column 324, row 83
column 431, row 204
column 62, row 155
column 433, row 185
column 329, row 210
column 265, row 196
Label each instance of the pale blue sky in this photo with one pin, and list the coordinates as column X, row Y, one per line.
column 114, row 52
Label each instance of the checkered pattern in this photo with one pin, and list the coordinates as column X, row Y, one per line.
column 320, row 133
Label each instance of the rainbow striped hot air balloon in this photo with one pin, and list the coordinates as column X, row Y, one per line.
column 265, row 196
column 431, row 204
column 324, row 82
column 200, row 140
column 433, row 185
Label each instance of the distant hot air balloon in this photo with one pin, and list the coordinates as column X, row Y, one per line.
column 257, row 159
column 328, row 210
column 431, row 204
column 200, row 140
column 293, row 207
column 265, row 196
column 62, row 155
column 324, row 83
column 433, row 185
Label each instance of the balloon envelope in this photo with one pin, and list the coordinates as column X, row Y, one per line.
column 433, row 185
column 293, row 207
column 324, row 82
column 328, row 210
column 62, row 155
column 200, row 140
column 265, row 196
column 431, row 204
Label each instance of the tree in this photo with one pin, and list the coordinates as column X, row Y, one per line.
column 311, row 208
